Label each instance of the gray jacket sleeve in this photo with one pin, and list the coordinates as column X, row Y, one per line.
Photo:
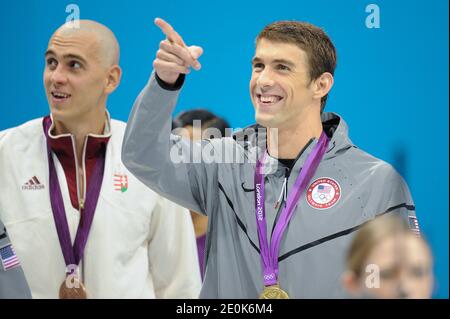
column 12, row 281
column 168, row 164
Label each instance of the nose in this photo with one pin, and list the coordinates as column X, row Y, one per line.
column 58, row 76
column 265, row 78
column 403, row 285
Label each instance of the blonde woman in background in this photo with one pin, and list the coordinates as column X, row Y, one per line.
column 388, row 260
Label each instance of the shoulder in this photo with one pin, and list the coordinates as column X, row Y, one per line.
column 118, row 126
column 378, row 176
column 375, row 164
column 117, row 131
column 368, row 172
column 22, row 135
column 361, row 162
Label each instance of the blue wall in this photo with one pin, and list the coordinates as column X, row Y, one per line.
column 391, row 83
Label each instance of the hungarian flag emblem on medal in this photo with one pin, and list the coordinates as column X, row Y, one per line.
column 120, row 182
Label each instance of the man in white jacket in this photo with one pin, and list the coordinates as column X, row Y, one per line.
column 82, row 225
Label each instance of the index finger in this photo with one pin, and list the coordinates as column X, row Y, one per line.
column 169, row 31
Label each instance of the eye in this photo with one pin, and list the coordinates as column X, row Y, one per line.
column 418, row 271
column 388, row 274
column 258, row 66
column 52, row 63
column 282, row 67
column 74, row 64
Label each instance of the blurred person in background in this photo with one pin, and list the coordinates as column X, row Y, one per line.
column 388, row 259
column 196, row 125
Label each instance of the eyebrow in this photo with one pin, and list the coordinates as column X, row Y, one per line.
column 67, row 56
column 282, row 61
column 256, row 59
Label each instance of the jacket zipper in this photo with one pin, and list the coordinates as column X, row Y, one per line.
column 284, row 189
column 81, row 199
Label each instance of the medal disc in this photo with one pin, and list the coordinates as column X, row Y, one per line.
column 78, row 291
column 273, row 292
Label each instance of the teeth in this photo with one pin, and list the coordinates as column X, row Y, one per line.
column 269, row 98
column 60, row 95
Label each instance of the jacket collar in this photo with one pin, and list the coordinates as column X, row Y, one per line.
column 254, row 143
column 63, row 144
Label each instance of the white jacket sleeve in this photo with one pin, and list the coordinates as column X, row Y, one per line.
column 172, row 250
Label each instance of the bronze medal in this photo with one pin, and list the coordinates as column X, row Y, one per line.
column 78, row 291
column 273, row 292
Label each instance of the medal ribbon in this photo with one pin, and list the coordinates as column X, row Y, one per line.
column 73, row 255
column 269, row 255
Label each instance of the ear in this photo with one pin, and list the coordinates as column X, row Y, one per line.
column 113, row 80
column 323, row 85
column 351, row 283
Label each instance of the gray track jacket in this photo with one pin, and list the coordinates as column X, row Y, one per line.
column 349, row 188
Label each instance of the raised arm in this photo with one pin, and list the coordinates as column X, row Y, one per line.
column 160, row 160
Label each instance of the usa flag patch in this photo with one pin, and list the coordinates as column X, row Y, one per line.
column 414, row 225
column 8, row 257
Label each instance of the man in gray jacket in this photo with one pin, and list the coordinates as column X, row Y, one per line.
column 283, row 197
column 12, row 280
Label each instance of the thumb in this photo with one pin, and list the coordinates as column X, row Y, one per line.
column 195, row 52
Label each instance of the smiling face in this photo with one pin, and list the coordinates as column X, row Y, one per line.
column 280, row 86
column 75, row 80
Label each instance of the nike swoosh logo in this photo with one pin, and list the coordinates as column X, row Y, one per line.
column 247, row 190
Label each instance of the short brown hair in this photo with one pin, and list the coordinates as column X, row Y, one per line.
column 314, row 41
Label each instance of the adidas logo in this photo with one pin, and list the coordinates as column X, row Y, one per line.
column 33, row 184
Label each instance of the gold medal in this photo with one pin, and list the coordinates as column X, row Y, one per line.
column 77, row 291
column 273, row 292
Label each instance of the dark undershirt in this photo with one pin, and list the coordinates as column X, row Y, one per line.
column 287, row 162
column 290, row 162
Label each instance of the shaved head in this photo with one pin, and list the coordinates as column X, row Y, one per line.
column 81, row 71
column 105, row 40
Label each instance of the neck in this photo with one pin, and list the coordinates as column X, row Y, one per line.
column 286, row 142
column 80, row 128
column 200, row 224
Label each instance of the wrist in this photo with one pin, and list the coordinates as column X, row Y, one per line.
column 176, row 85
